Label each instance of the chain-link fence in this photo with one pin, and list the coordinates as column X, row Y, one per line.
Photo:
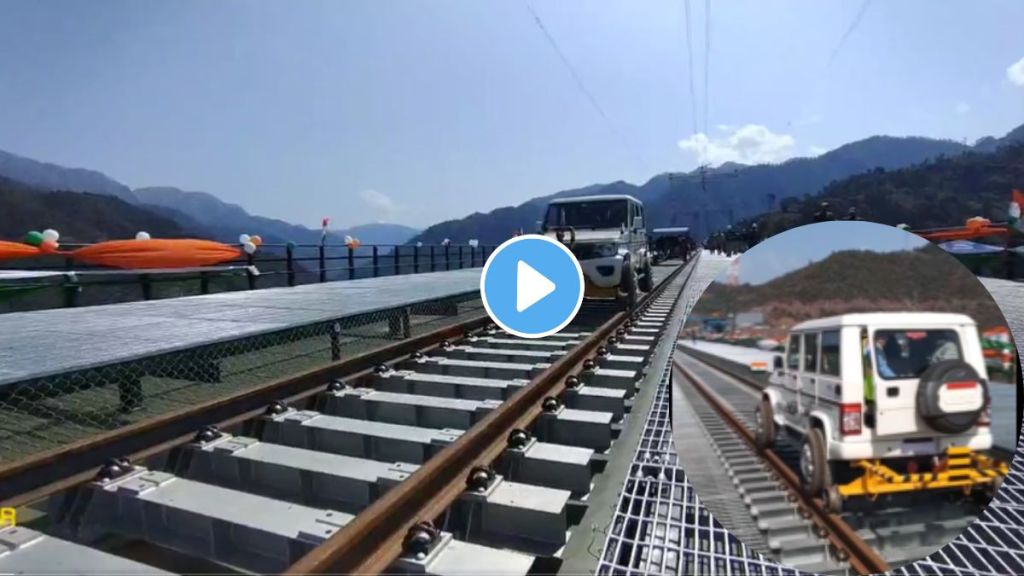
column 49, row 412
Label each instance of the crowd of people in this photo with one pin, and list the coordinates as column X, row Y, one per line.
column 825, row 214
column 734, row 240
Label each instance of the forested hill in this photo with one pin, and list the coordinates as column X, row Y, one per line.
column 861, row 281
column 938, row 193
column 79, row 216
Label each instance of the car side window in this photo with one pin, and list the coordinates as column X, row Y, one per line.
column 793, row 352
column 830, row 352
column 810, row 352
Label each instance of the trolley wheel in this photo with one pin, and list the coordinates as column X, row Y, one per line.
column 764, row 425
column 993, row 487
column 814, row 466
column 833, row 500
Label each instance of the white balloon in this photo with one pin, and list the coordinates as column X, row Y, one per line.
column 419, row 244
column 51, row 234
column 242, row 239
column 142, row 236
column 249, row 247
column 348, row 239
column 474, row 242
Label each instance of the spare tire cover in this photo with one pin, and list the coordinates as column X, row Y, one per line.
column 928, row 396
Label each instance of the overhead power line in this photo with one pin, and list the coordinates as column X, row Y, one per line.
column 850, row 30
column 707, row 61
column 583, row 87
column 689, row 66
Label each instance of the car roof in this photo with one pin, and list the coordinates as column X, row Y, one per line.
column 595, row 198
column 887, row 320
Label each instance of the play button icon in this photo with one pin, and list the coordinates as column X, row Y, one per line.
column 532, row 286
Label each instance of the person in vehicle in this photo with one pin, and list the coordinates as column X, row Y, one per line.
column 824, row 213
column 869, row 381
column 884, row 347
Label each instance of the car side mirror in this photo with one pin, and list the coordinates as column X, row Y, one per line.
column 638, row 222
column 777, row 362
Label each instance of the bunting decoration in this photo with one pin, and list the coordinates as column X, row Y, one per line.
column 14, row 250
column 162, row 253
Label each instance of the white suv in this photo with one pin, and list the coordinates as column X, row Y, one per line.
column 899, row 387
column 608, row 236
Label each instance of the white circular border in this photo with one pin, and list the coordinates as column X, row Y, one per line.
column 506, row 244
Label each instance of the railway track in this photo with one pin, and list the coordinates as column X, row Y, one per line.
column 455, row 452
column 797, row 530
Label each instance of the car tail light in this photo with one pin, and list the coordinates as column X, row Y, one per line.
column 850, row 419
column 961, row 385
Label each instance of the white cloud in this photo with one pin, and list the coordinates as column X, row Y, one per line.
column 816, row 150
column 750, row 144
column 1016, row 72
column 379, row 202
column 962, row 108
column 726, row 127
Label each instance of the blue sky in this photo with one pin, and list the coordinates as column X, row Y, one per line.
column 800, row 246
column 417, row 111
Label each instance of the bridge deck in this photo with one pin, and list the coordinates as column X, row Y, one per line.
column 46, row 342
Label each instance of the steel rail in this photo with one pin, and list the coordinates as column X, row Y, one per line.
column 861, row 556
column 28, row 480
column 374, row 539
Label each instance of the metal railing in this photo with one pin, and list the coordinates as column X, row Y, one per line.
column 70, row 283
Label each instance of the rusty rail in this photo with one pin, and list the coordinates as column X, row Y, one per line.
column 28, row 480
column 374, row 539
column 862, row 557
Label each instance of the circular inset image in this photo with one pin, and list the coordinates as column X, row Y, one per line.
column 854, row 389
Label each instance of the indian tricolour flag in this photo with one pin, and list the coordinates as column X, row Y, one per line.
column 1016, row 208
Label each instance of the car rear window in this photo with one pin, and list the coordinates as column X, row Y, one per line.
column 908, row 353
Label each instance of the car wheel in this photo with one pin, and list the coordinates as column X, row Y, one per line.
column 629, row 285
column 927, row 399
column 764, row 425
column 813, row 463
column 647, row 280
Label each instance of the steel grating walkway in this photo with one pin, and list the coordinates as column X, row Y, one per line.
column 661, row 526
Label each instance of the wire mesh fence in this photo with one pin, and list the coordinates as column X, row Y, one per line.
column 48, row 412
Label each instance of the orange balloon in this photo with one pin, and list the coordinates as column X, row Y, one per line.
column 12, row 250
column 48, row 247
column 256, row 240
column 163, row 253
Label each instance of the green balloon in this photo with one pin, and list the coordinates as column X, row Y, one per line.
column 35, row 238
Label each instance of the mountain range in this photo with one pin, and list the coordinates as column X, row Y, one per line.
column 704, row 201
column 167, row 211
column 728, row 193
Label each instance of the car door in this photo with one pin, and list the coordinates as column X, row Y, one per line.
column 791, row 379
column 828, row 389
column 808, row 380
